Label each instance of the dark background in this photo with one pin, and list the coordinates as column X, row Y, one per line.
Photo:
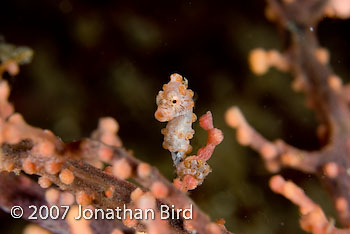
column 110, row 58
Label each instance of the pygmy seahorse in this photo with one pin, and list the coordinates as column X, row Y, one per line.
column 175, row 105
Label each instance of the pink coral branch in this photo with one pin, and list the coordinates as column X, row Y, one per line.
column 20, row 190
column 215, row 137
column 325, row 94
column 312, row 218
column 276, row 154
column 194, row 168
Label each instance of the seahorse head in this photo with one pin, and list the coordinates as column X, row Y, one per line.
column 174, row 100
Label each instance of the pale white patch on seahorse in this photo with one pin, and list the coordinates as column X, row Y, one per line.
column 175, row 105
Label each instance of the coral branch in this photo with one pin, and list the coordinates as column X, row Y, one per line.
column 145, row 175
column 276, row 154
column 312, row 218
column 325, row 94
column 89, row 183
column 76, row 168
column 22, row 191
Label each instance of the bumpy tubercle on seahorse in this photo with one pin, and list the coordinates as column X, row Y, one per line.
column 175, row 106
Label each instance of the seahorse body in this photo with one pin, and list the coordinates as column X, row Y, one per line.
column 175, row 105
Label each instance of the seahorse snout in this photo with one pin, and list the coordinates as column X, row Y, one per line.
column 161, row 115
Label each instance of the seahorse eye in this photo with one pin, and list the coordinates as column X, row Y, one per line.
column 174, row 99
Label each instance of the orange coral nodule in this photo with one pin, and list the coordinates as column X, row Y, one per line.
column 122, row 169
column 105, row 153
column 335, row 83
column 83, row 198
column 67, row 198
column 277, row 60
column 146, row 201
column 268, row 151
column 46, row 148
column 159, row 190
column 290, row 158
column 276, row 183
column 11, row 133
column 16, row 118
column 52, row 195
column 258, row 61
column 53, row 167
column 243, row 135
column 143, row 170
column 136, row 194
column 341, row 204
column 272, row 166
column 331, row 170
column 44, row 182
column 322, row 55
column 110, row 138
column 109, row 192
column 234, row 117
column 66, row 176
column 108, row 124
column 28, row 166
